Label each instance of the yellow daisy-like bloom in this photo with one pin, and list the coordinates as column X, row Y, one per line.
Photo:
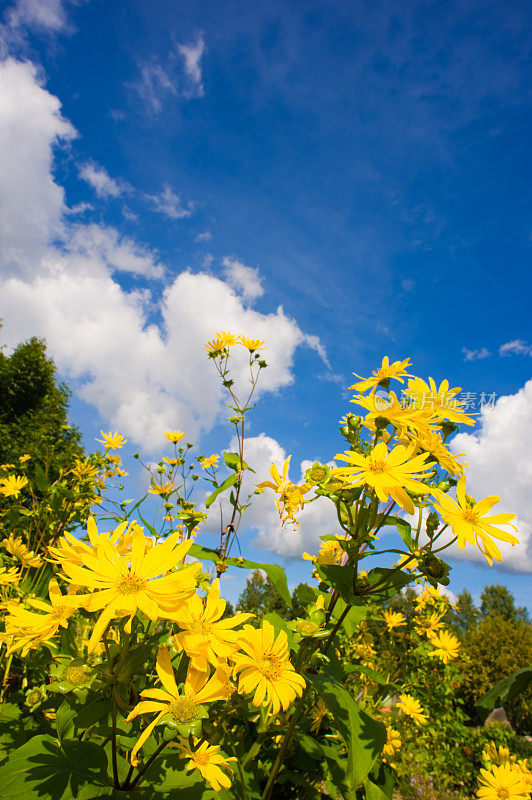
column 84, row 469
column 403, row 417
column 265, row 669
column 388, row 473
column 393, row 619
column 470, row 523
column 497, row 755
column 16, row 547
column 24, row 458
column 407, row 562
column 393, row 742
column 174, row 436
column 74, row 551
column 9, row 575
column 439, row 400
column 227, row 339
column 180, row 704
column 431, row 442
column 251, row 344
column 503, row 782
column 112, row 441
column 412, row 708
column 140, row 580
column 12, row 485
column 430, row 596
column 162, row 488
column 447, row 645
column 430, row 624
column 208, row 760
column 291, row 498
column 205, row 636
column 27, row 630
column 397, row 370
column 331, row 552
column 211, row 461
column 215, row 347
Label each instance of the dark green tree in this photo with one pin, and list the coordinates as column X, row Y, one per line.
column 33, row 411
column 497, row 601
column 260, row 597
column 466, row 614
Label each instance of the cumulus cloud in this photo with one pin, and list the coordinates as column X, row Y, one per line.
column 244, row 279
column 169, row 203
column 138, row 356
column 517, row 347
column 46, row 15
column 191, row 54
column 475, row 355
column 500, row 461
column 100, row 180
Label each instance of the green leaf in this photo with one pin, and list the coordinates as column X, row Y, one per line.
column 380, row 784
column 230, row 481
column 274, row 572
column 41, row 481
column 364, row 737
column 395, row 579
column 507, row 689
column 44, row 768
column 341, row 579
column 353, row 618
column 232, row 460
column 64, row 721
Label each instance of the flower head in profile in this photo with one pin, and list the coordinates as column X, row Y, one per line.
column 412, row 708
column 120, row 584
column 112, row 441
column 26, row 629
column 393, row 742
column 174, row 436
column 211, row 461
column 251, row 344
column 291, row 497
column 264, row 668
column 331, row 552
column 441, row 401
column 205, row 636
column 181, row 704
column 388, row 473
column 16, row 547
column 396, row 370
column 504, row 781
column 209, row 761
column 12, row 485
column 162, row 489
column 215, row 347
column 390, row 410
column 226, row 338
column 9, row 575
column 393, row 619
column 447, row 646
column 24, row 458
column 471, row 524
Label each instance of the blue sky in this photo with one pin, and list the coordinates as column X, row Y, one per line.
column 369, row 163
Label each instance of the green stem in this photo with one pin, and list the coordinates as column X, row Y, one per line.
column 146, row 765
column 6, row 676
column 113, row 741
column 284, row 747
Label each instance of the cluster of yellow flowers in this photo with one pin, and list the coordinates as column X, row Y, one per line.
column 504, row 775
column 223, row 341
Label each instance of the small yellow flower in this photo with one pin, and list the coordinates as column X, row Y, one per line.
column 397, row 371
column 12, row 485
column 228, row 339
column 112, row 441
column 291, row 498
column 431, row 624
column 174, row 436
column 214, row 347
column 162, row 488
column 25, row 629
column 208, row 760
column 393, row 742
column 172, row 461
column 412, row 708
column 16, row 547
column 10, row 575
column 211, row 461
column 331, row 552
column 447, row 645
column 393, row 619
column 24, row 458
column 251, row 344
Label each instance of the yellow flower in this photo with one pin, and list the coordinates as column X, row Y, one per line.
column 205, row 636
column 447, row 645
column 161, row 488
column 388, row 473
column 10, row 575
column 385, row 372
column 403, row 417
column 500, row 782
column 19, row 550
column 210, row 461
column 440, row 401
column 84, row 469
column 12, row 485
column 24, row 458
column 182, row 705
column 140, row 580
column 331, row 552
column 28, row 629
column 393, row 741
column 470, row 523
column 426, row 625
column 251, row 344
column 393, row 619
column 429, row 441
column 291, row 498
column 412, row 708
column 227, row 339
column 112, row 441
column 407, row 562
column 497, row 755
column 172, row 461
column 208, row 760
column 214, row 347
column 265, row 669
column 174, row 436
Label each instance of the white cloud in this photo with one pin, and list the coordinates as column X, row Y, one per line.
column 192, row 54
column 500, row 461
column 245, row 280
column 517, row 347
column 169, row 203
column 475, row 355
column 100, row 180
column 154, row 85
column 204, row 237
column 144, row 377
column 46, row 15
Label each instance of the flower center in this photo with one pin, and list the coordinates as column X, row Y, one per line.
column 503, row 793
column 183, row 710
column 200, row 627
column 202, row 759
column 306, row 628
column 75, row 675
column 377, row 466
column 470, row 516
column 270, row 668
column 131, row 584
